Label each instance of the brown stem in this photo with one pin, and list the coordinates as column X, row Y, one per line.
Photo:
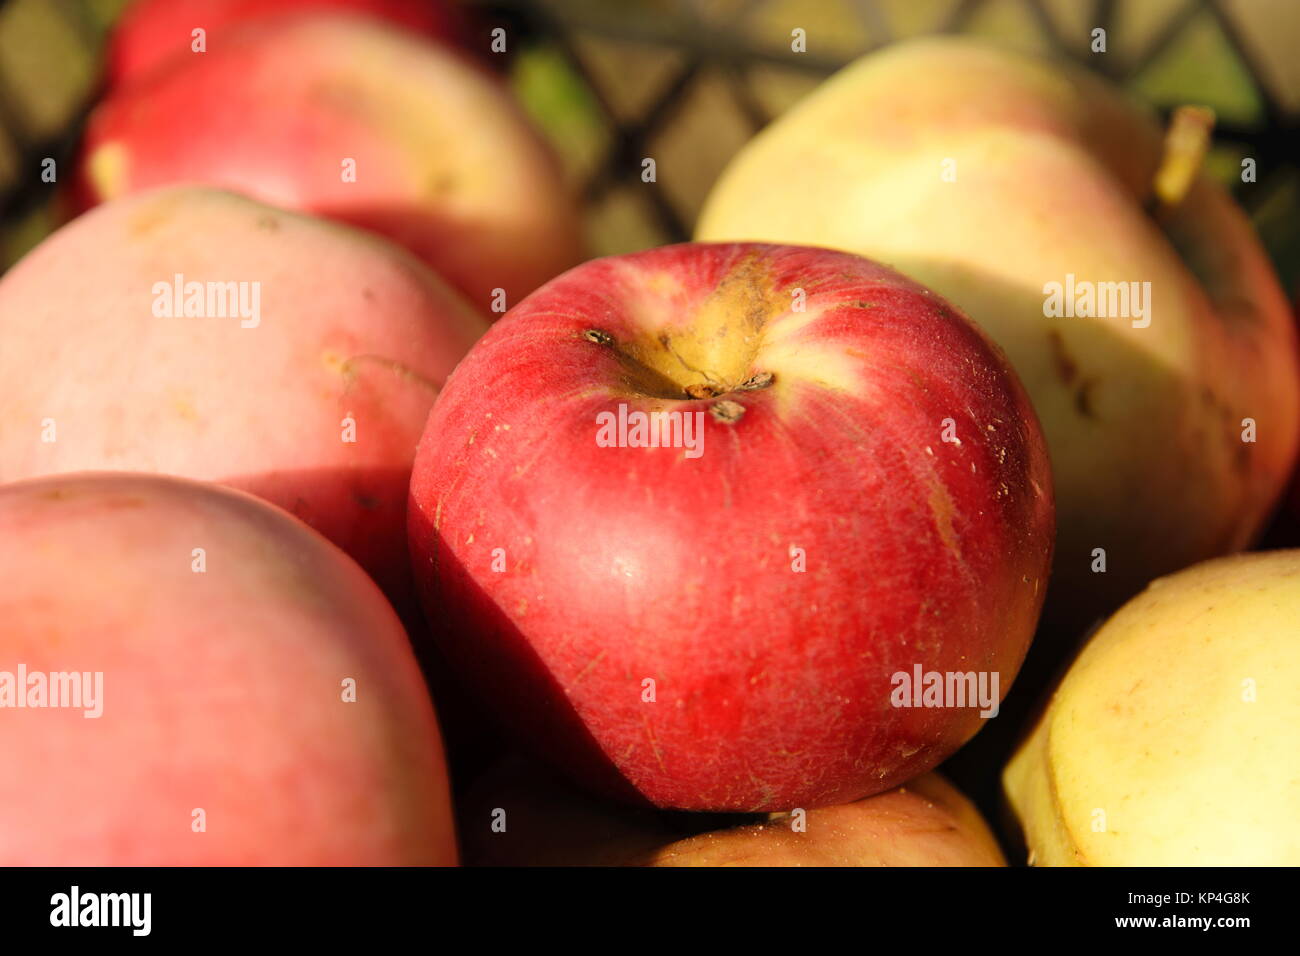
column 1186, row 141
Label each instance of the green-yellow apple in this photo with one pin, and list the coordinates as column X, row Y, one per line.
column 195, row 332
column 1174, row 738
column 519, row 815
column 190, row 676
column 1020, row 191
column 700, row 522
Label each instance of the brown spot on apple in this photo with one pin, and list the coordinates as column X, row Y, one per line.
column 1066, row 367
column 727, row 411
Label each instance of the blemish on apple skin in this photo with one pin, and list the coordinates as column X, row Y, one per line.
column 350, row 368
column 1083, row 398
column 1067, row 369
column 726, row 411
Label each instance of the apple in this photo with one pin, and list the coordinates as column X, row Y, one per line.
column 999, row 181
column 519, row 815
column 925, row 822
column 152, row 32
column 851, row 487
column 311, row 391
column 350, row 118
column 1172, row 740
column 231, row 689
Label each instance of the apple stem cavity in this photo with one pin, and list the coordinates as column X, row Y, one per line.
column 1186, row 141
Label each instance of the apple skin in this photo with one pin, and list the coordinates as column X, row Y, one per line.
column 222, row 690
column 618, row 565
column 1052, row 167
column 446, row 162
column 351, row 326
column 151, row 32
column 925, row 822
column 1156, row 726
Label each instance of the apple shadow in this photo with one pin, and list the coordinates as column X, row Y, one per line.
column 363, row 511
column 519, row 691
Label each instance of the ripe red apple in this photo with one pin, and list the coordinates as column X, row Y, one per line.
column 315, row 404
column 719, row 626
column 151, row 32
column 232, row 689
column 350, row 118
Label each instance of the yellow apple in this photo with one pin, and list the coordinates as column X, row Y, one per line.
column 1016, row 188
column 925, row 822
column 1174, row 738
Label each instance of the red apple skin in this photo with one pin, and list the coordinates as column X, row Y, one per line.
column 772, row 686
column 151, row 32
column 222, row 690
column 446, row 163
column 351, row 328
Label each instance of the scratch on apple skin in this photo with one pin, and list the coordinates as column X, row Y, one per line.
column 405, row 372
column 586, row 669
column 654, row 744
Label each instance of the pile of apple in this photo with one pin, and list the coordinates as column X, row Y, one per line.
column 689, row 543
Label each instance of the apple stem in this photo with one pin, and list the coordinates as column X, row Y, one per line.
column 1186, row 141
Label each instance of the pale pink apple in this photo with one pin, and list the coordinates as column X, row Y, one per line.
column 310, row 390
column 243, row 694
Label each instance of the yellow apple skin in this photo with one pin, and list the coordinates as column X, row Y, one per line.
column 548, row 822
column 1152, row 751
column 925, row 822
column 1051, row 170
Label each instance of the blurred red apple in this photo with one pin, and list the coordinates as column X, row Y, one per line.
column 231, row 689
column 152, row 32
column 315, row 401
column 349, row 118
column 858, row 488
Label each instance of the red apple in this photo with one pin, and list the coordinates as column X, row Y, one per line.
column 316, row 403
column 350, row 118
column 720, row 626
column 243, row 695
column 151, row 32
